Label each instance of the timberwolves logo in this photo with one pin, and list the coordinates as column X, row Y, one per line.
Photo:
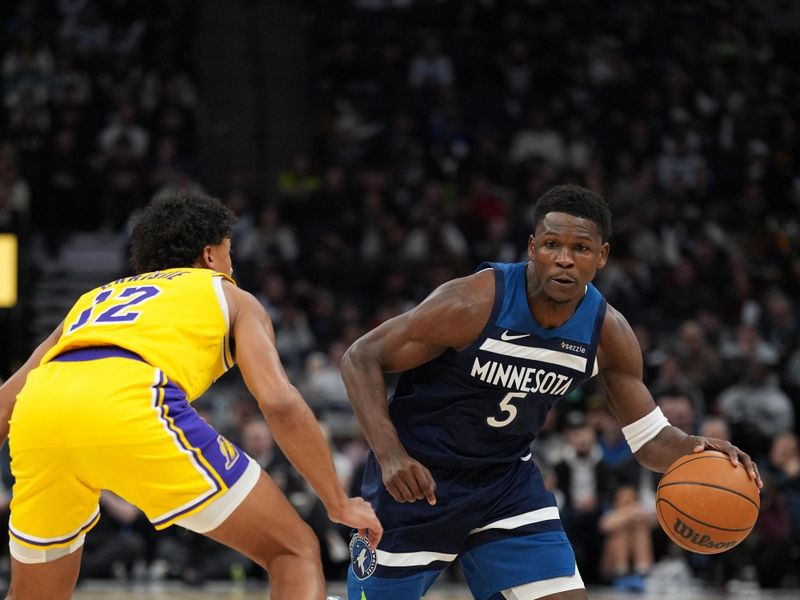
column 362, row 557
column 229, row 451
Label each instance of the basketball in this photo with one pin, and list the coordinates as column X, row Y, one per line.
column 706, row 504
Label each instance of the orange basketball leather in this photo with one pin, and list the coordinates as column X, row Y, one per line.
column 706, row 504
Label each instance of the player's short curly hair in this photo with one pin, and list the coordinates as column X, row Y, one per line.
column 576, row 201
column 173, row 229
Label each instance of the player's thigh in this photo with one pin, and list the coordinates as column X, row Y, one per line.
column 557, row 588
column 411, row 586
column 52, row 505
column 570, row 595
column 175, row 464
column 52, row 508
column 520, row 541
column 266, row 525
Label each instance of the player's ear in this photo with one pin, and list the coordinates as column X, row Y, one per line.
column 206, row 258
column 604, row 250
column 531, row 246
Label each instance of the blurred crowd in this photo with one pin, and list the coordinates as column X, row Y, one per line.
column 436, row 126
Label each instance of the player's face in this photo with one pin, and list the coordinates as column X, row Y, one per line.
column 566, row 252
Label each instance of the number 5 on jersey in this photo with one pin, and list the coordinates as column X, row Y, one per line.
column 119, row 313
column 506, row 407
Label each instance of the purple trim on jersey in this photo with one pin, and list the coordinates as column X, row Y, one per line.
column 224, row 462
column 52, row 542
column 225, row 349
column 95, row 353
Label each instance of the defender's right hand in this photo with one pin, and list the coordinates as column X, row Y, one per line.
column 358, row 514
column 408, row 480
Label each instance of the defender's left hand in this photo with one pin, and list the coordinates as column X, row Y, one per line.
column 736, row 455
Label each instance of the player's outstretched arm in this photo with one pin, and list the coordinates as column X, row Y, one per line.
column 12, row 387
column 290, row 420
column 620, row 369
column 451, row 317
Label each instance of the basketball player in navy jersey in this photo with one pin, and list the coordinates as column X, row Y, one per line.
column 483, row 359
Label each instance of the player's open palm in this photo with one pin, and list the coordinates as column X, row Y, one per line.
column 408, row 480
column 358, row 514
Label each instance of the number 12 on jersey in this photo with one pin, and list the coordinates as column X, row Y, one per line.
column 118, row 313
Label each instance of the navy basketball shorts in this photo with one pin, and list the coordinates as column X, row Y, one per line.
column 500, row 523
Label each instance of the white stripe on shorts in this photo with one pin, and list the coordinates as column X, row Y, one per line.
column 411, row 559
column 34, row 556
column 546, row 587
column 548, row 513
column 214, row 514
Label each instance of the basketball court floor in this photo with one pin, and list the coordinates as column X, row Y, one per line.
column 165, row 591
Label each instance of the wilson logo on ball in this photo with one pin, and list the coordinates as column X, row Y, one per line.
column 704, row 541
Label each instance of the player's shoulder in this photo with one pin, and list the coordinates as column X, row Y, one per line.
column 618, row 342
column 470, row 291
column 615, row 325
column 239, row 300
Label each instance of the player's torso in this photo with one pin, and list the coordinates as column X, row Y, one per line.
column 176, row 320
column 485, row 404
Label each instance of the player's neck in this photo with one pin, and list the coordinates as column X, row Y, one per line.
column 547, row 312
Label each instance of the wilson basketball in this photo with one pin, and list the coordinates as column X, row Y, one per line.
column 706, row 504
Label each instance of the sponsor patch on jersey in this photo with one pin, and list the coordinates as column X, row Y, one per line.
column 573, row 347
column 363, row 559
column 229, row 451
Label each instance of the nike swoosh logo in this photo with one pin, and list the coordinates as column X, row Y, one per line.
column 506, row 337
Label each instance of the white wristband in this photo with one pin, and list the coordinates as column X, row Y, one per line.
column 638, row 433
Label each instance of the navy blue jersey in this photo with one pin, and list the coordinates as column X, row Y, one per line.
column 485, row 404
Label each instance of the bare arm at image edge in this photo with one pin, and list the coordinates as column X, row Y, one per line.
column 11, row 388
column 290, row 420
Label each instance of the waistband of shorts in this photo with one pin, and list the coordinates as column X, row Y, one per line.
column 96, row 353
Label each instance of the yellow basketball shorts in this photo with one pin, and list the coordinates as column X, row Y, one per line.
column 101, row 418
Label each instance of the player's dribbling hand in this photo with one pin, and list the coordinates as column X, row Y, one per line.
column 358, row 514
column 736, row 455
column 407, row 480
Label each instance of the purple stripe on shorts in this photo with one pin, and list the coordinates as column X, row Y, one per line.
column 224, row 462
column 95, row 353
column 88, row 525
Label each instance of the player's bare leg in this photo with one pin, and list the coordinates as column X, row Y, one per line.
column 267, row 529
column 642, row 545
column 523, row 593
column 39, row 581
column 616, row 550
column 560, row 588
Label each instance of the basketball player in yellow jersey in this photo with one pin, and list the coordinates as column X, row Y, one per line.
column 104, row 403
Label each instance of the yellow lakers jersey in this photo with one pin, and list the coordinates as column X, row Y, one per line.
column 176, row 320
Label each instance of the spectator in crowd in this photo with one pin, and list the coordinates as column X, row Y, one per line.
column 679, row 410
column 784, row 468
column 580, row 477
column 627, row 555
column 755, row 424
column 698, row 359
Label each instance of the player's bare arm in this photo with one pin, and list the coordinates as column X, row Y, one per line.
column 620, row 369
column 451, row 317
column 290, row 419
column 12, row 387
